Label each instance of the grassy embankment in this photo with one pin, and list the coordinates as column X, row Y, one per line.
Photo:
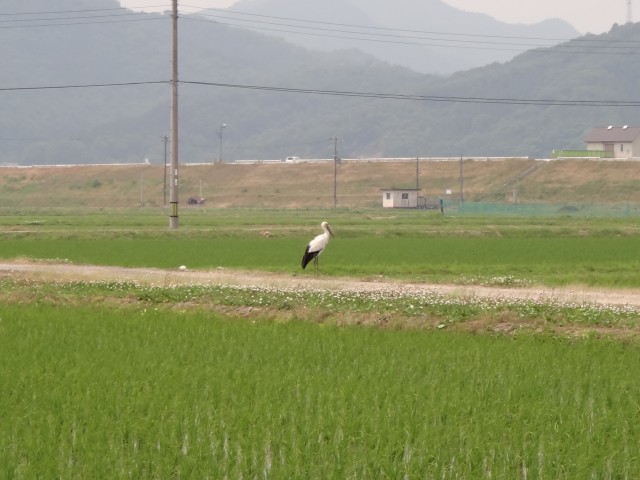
column 310, row 185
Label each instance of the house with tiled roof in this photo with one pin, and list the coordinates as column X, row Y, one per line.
column 619, row 142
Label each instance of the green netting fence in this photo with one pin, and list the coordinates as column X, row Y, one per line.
column 542, row 210
column 581, row 154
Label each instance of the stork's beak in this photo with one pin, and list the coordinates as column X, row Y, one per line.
column 329, row 230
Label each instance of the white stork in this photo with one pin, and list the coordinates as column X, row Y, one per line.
column 316, row 247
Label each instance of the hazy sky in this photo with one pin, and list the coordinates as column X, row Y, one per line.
column 595, row 16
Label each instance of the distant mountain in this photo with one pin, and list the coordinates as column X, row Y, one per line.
column 432, row 36
column 279, row 99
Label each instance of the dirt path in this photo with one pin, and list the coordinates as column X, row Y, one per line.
column 151, row 276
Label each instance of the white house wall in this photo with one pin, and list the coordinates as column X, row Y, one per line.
column 622, row 150
column 628, row 149
column 635, row 148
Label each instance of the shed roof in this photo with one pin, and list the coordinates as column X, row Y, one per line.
column 400, row 189
column 613, row 134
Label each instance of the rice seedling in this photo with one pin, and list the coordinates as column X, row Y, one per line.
column 121, row 379
column 596, row 261
column 97, row 391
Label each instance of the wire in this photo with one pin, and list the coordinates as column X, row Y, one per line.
column 554, row 49
column 56, row 21
column 382, row 39
column 372, row 28
column 120, row 15
column 614, row 46
column 387, row 29
column 66, row 24
column 454, row 99
column 428, row 98
column 340, row 93
column 56, row 12
column 568, row 48
column 91, row 85
column 163, row 5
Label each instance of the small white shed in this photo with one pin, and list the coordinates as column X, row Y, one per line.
column 400, row 197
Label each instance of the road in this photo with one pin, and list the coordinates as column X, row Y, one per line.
column 151, row 276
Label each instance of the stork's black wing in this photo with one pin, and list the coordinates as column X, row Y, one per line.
column 308, row 256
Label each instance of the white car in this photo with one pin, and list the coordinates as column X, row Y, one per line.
column 291, row 159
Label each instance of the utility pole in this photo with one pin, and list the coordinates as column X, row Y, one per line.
column 164, row 189
column 173, row 217
column 461, row 182
column 222, row 127
column 629, row 12
column 335, row 172
column 417, row 173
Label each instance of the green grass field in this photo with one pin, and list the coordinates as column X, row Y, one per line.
column 603, row 261
column 411, row 245
column 124, row 380
column 137, row 392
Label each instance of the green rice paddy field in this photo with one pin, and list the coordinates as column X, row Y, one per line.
column 120, row 380
column 409, row 245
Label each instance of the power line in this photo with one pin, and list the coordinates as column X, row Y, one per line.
column 66, row 24
column 341, row 93
column 428, row 98
column 56, row 12
column 372, row 27
column 119, row 15
column 410, row 40
column 197, row 11
column 364, row 36
column 579, row 49
column 90, row 85
column 166, row 6
column 222, row 12
column 370, row 34
column 72, row 17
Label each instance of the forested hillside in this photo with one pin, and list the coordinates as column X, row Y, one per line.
column 111, row 97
